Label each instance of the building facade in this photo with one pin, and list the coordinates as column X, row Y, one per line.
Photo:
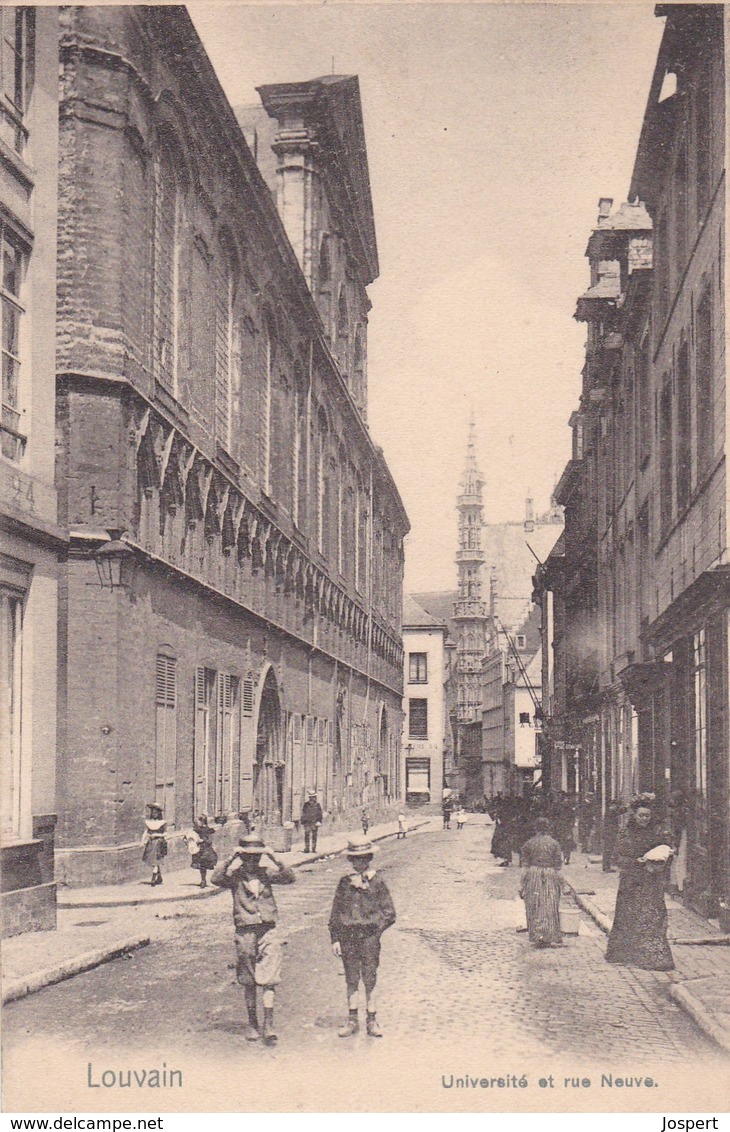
column 426, row 724
column 32, row 541
column 211, row 395
column 640, row 599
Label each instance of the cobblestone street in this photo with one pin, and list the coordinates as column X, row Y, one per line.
column 462, row 993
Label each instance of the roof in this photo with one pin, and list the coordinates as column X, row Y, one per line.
column 440, row 606
column 631, row 216
column 416, row 617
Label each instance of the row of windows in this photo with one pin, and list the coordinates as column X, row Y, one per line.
column 684, row 415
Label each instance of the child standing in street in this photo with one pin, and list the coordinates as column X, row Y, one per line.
column 402, row 827
column 460, row 817
column 154, row 842
column 258, row 949
column 362, row 910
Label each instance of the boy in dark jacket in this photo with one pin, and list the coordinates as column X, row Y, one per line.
column 254, row 915
column 361, row 912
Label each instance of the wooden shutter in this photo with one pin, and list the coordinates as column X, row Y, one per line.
column 201, row 741
column 166, row 734
column 247, row 698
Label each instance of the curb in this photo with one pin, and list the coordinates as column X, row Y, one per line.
column 137, row 902
column 29, row 984
column 313, row 857
column 678, row 991
column 700, row 1015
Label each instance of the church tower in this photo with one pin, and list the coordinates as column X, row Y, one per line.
column 470, row 611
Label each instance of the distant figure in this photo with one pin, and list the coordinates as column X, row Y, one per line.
column 402, row 828
column 678, row 827
column 205, row 856
column 311, row 820
column 639, row 934
column 540, row 886
column 154, row 842
column 362, row 910
column 461, row 818
column 563, row 821
column 611, row 821
column 447, row 809
column 586, row 821
column 365, row 821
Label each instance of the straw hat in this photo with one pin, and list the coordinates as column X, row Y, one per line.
column 360, row 848
column 252, row 844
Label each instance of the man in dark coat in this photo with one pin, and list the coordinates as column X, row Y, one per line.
column 311, row 820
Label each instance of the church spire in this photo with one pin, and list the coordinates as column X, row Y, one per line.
column 470, row 612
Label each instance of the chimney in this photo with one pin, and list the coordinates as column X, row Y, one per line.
column 605, row 205
column 529, row 513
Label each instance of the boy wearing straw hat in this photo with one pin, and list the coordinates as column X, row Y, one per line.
column 254, row 915
column 362, row 910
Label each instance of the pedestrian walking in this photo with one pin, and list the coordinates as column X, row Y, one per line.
column 402, row 828
column 678, row 827
column 361, row 911
column 541, row 859
column 611, row 820
column 447, row 809
column 205, row 857
column 461, row 818
column 258, row 947
column 586, row 822
column 563, row 822
column 639, row 934
column 311, row 820
column 154, row 841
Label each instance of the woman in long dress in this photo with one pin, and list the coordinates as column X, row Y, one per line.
column 540, row 886
column 639, row 934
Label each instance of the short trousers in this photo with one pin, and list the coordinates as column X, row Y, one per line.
column 360, row 958
column 259, row 954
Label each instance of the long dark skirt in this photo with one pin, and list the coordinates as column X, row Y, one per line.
column 541, row 891
column 639, row 934
column 501, row 842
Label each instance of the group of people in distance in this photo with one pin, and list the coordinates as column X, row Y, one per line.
column 644, row 847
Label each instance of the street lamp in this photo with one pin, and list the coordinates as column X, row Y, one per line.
column 114, row 560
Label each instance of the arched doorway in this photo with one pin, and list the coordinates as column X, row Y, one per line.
column 268, row 767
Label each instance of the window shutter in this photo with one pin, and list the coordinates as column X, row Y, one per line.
column 165, row 681
column 247, row 698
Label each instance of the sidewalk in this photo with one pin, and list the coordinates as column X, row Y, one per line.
column 700, row 984
column 107, row 921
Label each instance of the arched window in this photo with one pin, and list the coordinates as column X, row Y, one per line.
column 322, row 482
column 269, row 348
column 227, row 378
column 342, row 315
column 299, row 450
column 168, row 223
column 325, row 270
column 358, row 369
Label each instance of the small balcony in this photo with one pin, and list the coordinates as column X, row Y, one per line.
column 470, row 554
column 469, row 607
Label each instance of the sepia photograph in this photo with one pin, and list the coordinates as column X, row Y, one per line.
column 364, row 571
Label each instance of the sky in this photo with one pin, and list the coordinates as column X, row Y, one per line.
column 492, row 130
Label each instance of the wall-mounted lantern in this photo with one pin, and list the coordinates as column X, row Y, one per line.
column 115, row 561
